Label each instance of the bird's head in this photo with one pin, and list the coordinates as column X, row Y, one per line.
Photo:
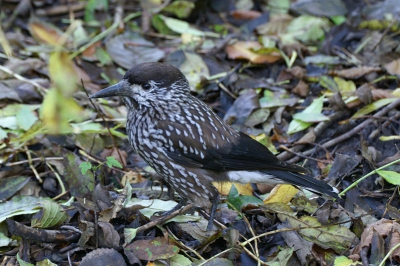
column 148, row 83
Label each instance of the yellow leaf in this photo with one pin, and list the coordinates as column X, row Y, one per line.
column 245, row 50
column 225, row 187
column 57, row 111
column 45, row 32
column 62, row 73
column 281, row 193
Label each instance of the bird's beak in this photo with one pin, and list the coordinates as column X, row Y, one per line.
column 114, row 90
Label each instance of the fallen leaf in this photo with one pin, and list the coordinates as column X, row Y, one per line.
column 246, row 50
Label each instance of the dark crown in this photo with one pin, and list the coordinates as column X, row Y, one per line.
column 163, row 74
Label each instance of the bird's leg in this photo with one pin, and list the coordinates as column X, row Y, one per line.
column 214, row 202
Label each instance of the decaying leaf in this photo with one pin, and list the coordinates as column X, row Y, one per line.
column 250, row 50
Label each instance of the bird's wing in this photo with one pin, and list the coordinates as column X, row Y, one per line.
column 220, row 148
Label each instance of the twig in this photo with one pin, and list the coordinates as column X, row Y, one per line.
column 284, row 156
column 164, row 218
column 19, row 77
column 352, row 132
column 214, row 257
column 389, row 254
column 367, row 175
column 57, row 177
column 28, row 154
column 300, row 155
column 34, row 160
column 183, row 245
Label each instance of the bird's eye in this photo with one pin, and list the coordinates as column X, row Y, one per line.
column 146, row 86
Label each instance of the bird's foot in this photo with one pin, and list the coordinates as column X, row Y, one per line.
column 212, row 214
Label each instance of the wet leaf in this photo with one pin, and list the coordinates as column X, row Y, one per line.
column 153, row 249
column 80, row 186
column 10, row 185
column 103, row 256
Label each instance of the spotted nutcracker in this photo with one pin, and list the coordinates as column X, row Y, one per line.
column 189, row 145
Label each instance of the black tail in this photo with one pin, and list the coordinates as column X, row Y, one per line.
column 305, row 181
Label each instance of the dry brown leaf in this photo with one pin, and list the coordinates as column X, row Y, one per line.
column 277, row 25
column 389, row 230
column 356, row 72
column 301, row 89
column 297, row 72
column 393, row 67
column 243, row 50
column 132, row 177
column 245, row 14
column 45, row 32
column 382, row 94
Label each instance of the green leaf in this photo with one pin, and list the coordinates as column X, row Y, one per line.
column 308, row 28
column 111, row 161
column 314, row 110
column 19, row 205
column 80, row 186
column 373, row 107
column 129, row 234
column 3, row 134
column 344, row 261
column 328, row 83
column 52, row 214
column 181, row 26
column 238, row 201
column 282, row 258
column 22, row 262
column 25, row 118
column 297, row 125
column 85, row 166
column 390, row 176
column 310, row 118
column 181, row 9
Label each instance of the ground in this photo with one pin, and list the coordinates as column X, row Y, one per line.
column 315, row 81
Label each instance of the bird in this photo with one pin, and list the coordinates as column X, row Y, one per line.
column 189, row 145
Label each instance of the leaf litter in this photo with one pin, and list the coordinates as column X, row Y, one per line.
column 318, row 84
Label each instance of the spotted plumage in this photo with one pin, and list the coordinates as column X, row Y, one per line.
column 189, row 145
